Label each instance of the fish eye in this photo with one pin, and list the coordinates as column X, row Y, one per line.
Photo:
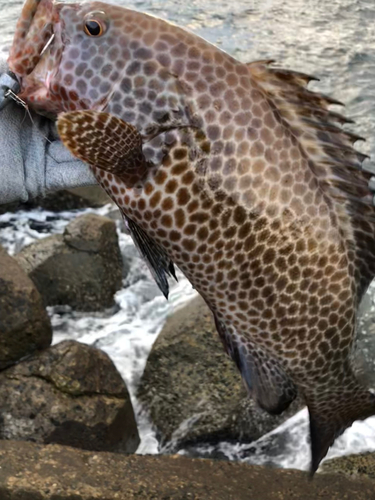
column 95, row 24
column 93, row 28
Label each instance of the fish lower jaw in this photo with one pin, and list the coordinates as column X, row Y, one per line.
column 36, row 96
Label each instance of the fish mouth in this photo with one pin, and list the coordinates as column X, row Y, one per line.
column 37, row 48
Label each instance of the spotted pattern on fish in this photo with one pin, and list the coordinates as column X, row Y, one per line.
column 253, row 189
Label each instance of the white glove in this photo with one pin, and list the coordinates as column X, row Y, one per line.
column 33, row 161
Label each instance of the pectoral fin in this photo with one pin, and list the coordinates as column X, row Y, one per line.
column 104, row 141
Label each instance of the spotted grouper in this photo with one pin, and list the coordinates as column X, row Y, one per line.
column 237, row 174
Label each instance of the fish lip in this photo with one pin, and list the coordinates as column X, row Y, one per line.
column 38, row 80
column 31, row 11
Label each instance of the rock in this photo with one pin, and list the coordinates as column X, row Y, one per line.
column 81, row 268
column 362, row 465
column 69, row 394
column 24, row 324
column 33, row 472
column 58, row 201
column 364, row 353
column 192, row 389
column 90, row 196
column 70, row 199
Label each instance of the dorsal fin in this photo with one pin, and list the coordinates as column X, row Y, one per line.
column 329, row 150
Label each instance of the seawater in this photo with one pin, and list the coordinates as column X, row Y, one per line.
column 334, row 41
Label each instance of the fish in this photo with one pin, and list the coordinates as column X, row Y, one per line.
column 237, row 174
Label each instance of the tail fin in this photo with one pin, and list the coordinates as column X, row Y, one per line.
column 331, row 413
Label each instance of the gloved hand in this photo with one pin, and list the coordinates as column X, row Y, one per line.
column 33, row 161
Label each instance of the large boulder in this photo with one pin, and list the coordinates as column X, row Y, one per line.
column 70, row 394
column 81, row 268
column 192, row 390
column 24, row 324
column 33, row 472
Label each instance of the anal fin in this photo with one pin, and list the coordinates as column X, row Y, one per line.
column 265, row 379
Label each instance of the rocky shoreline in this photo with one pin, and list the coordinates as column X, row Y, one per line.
column 190, row 389
column 63, row 408
column 70, row 393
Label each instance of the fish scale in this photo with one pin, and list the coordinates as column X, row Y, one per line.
column 246, row 181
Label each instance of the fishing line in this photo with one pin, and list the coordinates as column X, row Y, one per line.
column 9, row 93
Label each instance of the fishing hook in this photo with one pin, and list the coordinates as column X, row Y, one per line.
column 9, row 88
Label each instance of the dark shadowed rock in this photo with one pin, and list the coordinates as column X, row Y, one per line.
column 33, row 472
column 24, row 323
column 72, row 199
column 58, row 201
column 81, row 268
column 69, row 394
column 193, row 390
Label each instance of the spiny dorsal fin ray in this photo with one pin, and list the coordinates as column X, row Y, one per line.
column 329, row 150
column 266, row 381
column 292, row 77
column 324, row 114
column 333, row 129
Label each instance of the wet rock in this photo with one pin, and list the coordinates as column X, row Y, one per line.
column 362, row 465
column 193, row 391
column 71, row 199
column 81, row 268
column 82, row 197
column 69, row 394
column 59, row 201
column 33, row 472
column 364, row 354
column 24, row 323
